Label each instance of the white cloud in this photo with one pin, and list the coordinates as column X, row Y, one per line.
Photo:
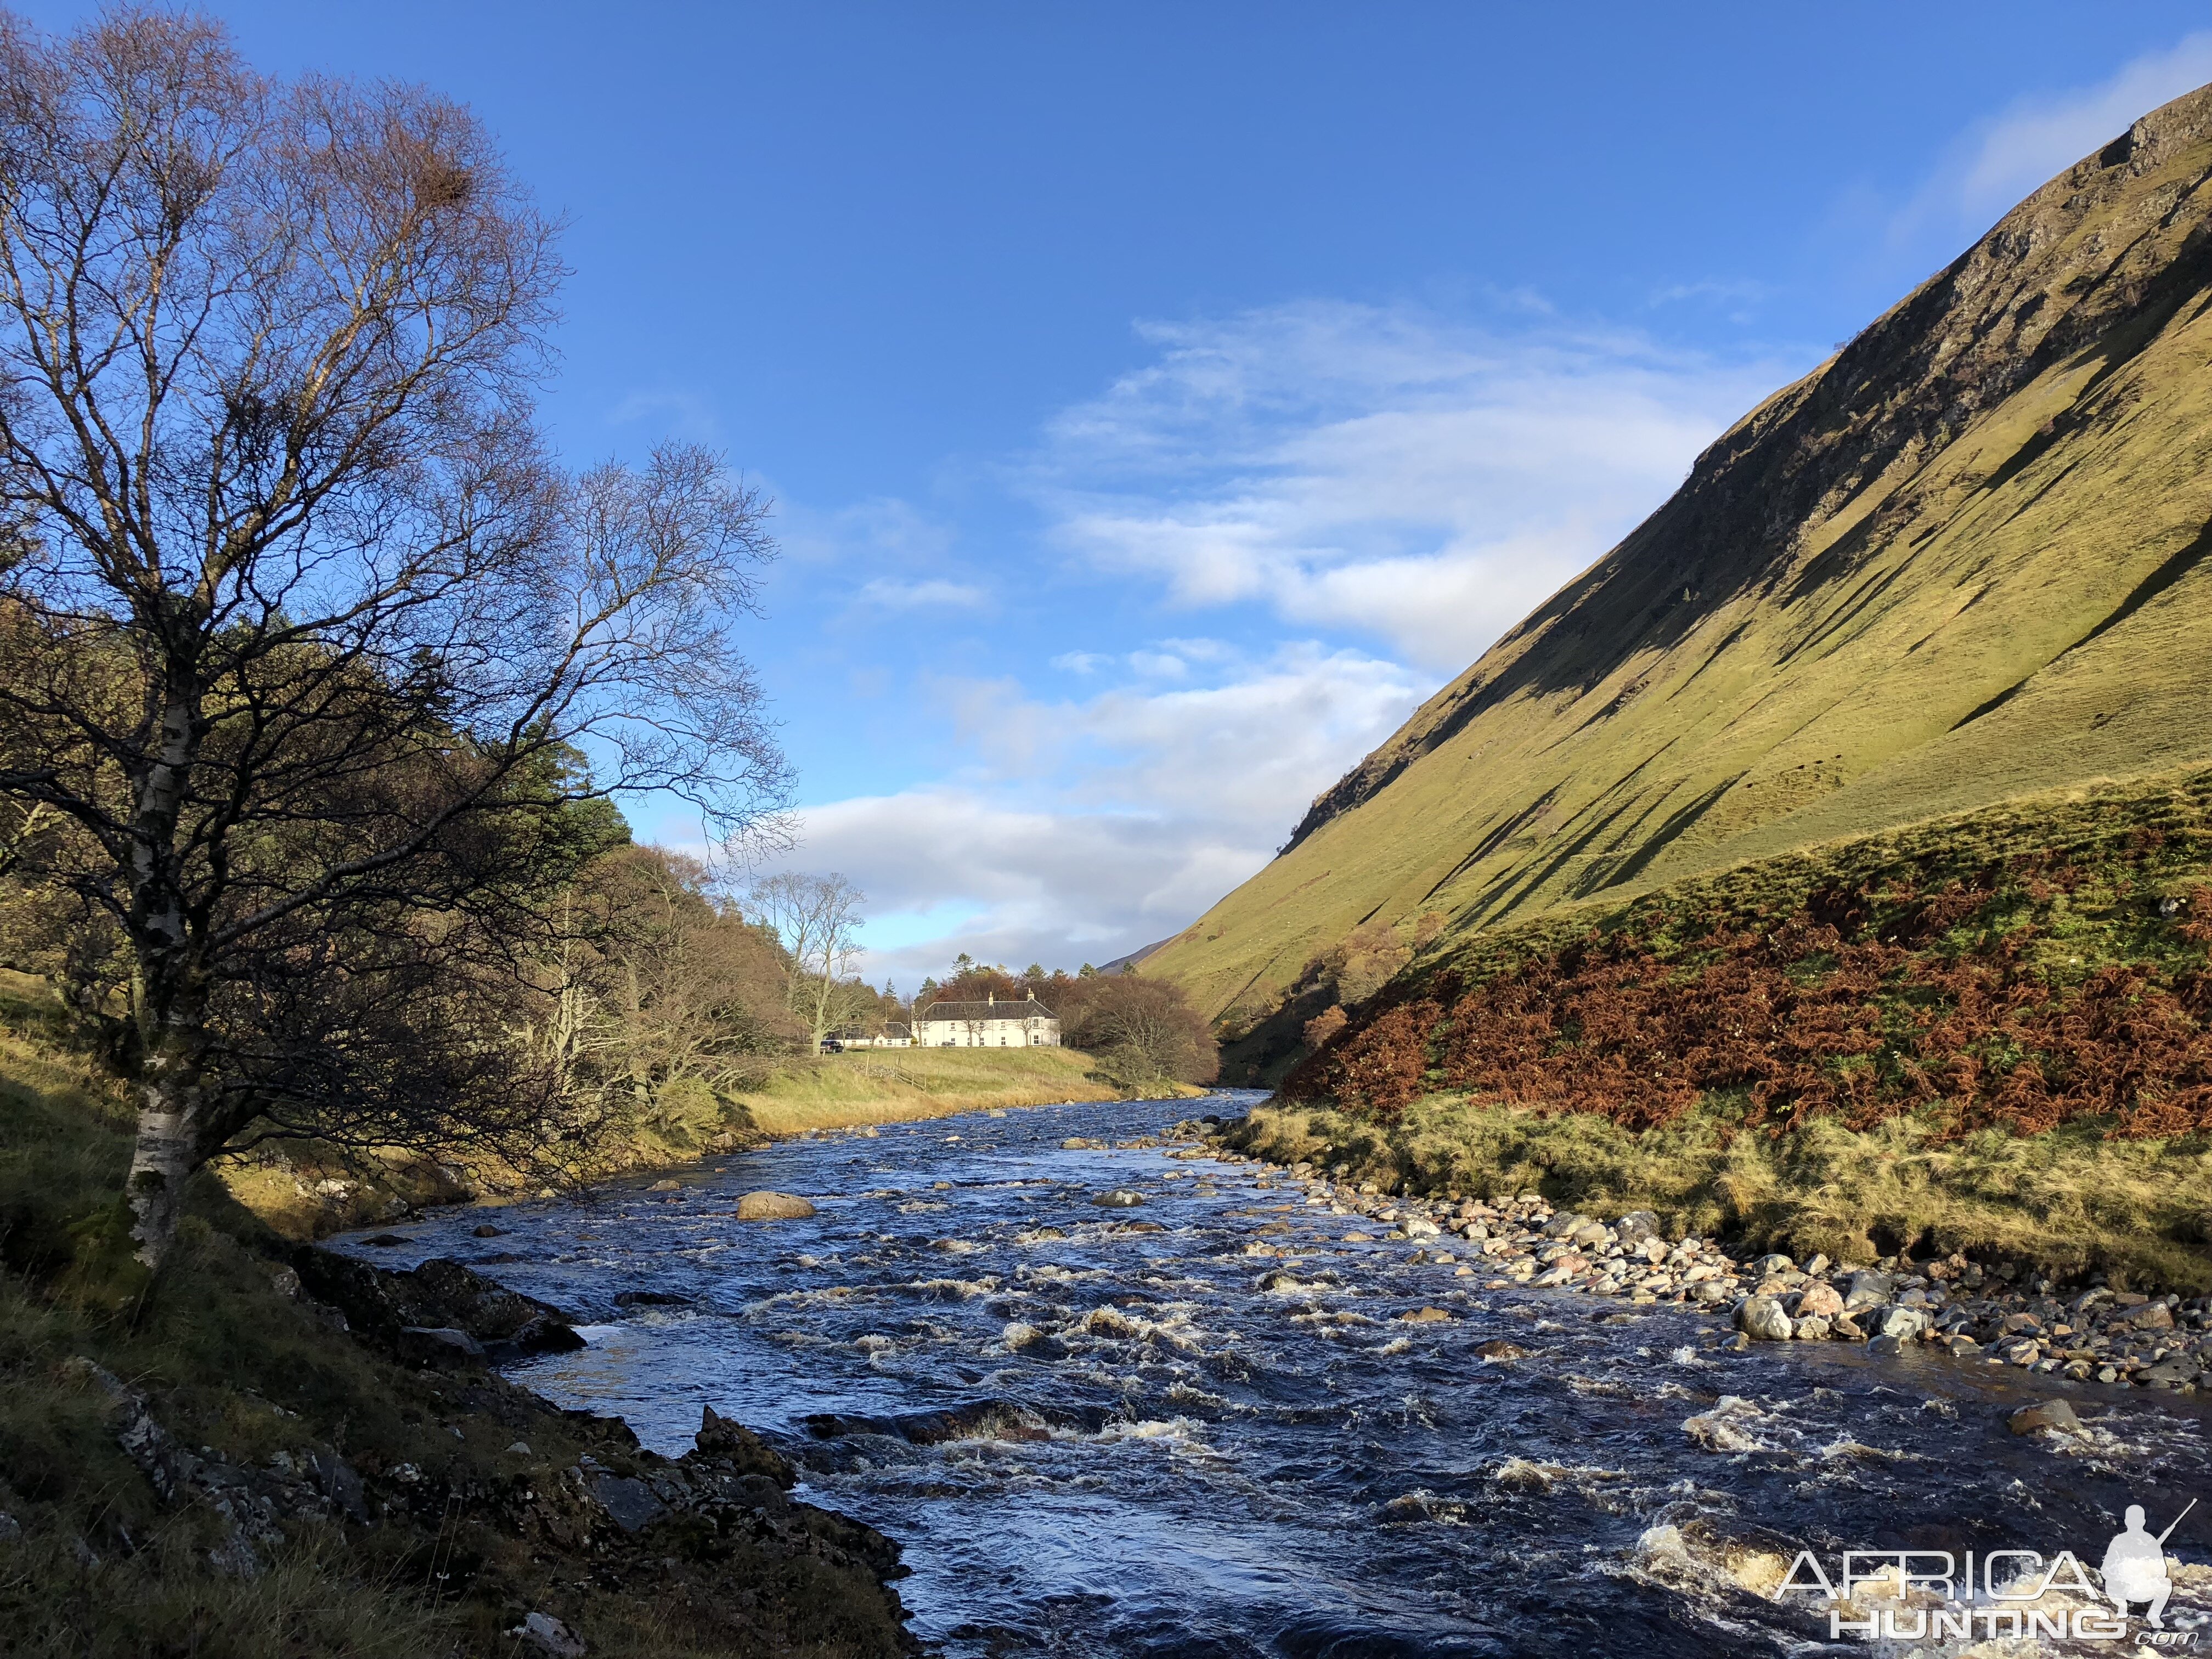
column 1324, row 473
column 1375, row 469
column 2005, row 158
column 1079, row 830
column 934, row 592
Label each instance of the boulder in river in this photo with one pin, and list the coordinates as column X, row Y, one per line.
column 1762, row 1320
column 773, row 1206
column 2054, row 1414
column 1424, row 1317
column 1498, row 1348
column 1121, row 1198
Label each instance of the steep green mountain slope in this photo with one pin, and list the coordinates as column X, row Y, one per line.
column 1964, row 560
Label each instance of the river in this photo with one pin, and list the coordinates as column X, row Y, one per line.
column 1151, row 1454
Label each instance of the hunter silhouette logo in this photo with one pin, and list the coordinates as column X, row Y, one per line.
column 1914, row 1594
column 2135, row 1567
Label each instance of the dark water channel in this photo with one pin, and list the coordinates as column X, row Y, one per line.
column 1150, row 1454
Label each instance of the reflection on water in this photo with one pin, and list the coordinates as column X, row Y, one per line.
column 1096, row 1434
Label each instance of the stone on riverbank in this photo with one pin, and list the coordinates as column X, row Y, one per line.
column 1761, row 1319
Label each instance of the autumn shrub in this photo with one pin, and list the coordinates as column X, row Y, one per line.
column 1857, row 1002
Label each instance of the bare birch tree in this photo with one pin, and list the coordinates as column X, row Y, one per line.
column 311, row 642
column 819, row 919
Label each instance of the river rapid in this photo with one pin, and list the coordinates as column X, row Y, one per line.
column 1096, row 1433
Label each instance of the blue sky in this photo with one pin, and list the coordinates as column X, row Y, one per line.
column 1160, row 400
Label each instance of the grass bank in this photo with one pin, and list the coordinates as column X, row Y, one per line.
column 2069, row 1200
column 1991, row 1032
column 893, row 1085
column 304, row 1196
column 170, row 1448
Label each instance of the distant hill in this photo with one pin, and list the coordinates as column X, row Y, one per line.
column 1963, row 560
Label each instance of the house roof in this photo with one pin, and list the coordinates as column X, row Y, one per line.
column 963, row 1013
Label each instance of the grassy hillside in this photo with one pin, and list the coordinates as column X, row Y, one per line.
column 207, row 1464
column 1991, row 1032
column 1964, row 560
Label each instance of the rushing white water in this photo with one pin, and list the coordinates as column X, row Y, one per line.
column 1096, row 1432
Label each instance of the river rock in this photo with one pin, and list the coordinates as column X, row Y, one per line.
column 1867, row 1288
column 1121, row 1198
column 1819, row 1301
column 2053, row 1415
column 487, row 1231
column 773, row 1206
column 544, row 1634
column 1767, row 1265
column 1416, row 1226
column 1761, row 1319
column 1637, row 1227
column 2151, row 1316
column 1903, row 1323
column 439, row 1346
column 1813, row 1328
column 1498, row 1348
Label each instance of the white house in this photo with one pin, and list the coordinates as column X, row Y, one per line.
column 990, row 1023
column 893, row 1035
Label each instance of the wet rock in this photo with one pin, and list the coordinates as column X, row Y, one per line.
column 1120, row 1198
column 1519, row 1475
column 438, row 1345
column 1811, row 1328
column 629, row 1500
column 1498, row 1348
column 487, row 1231
column 651, row 1299
column 2175, row 1371
column 542, row 1633
column 1903, row 1323
column 666, row 1187
column 1417, row 1227
column 721, row 1441
column 441, row 1294
column 1761, row 1319
column 1077, row 1144
column 774, row 1206
column 1884, row 1347
column 2055, row 1415
column 1424, row 1316
column 386, row 1241
column 1725, row 1428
